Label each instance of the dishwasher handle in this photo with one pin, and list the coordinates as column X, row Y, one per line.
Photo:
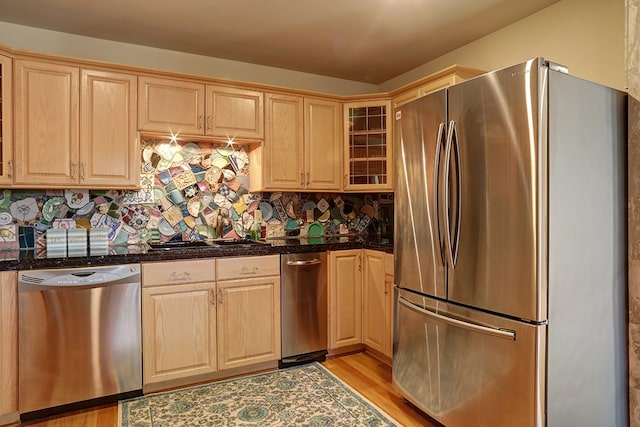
column 314, row 261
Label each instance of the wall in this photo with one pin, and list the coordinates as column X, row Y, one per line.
column 58, row 43
column 585, row 35
column 633, row 78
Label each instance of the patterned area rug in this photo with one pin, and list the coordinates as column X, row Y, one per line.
column 307, row 395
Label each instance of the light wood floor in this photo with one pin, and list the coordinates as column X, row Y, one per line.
column 367, row 375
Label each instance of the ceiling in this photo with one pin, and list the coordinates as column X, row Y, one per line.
column 369, row 41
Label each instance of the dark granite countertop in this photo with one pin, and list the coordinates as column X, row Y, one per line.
column 26, row 259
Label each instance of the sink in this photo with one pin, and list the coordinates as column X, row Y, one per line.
column 206, row 243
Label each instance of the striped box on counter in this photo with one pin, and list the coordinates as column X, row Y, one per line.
column 77, row 242
column 56, row 243
column 99, row 241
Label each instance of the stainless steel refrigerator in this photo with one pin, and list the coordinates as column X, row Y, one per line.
column 510, row 249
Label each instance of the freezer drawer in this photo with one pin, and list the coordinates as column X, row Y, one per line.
column 465, row 367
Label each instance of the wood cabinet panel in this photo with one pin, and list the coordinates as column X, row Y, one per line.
column 345, row 298
column 283, row 151
column 247, row 267
column 167, row 105
column 376, row 303
column 176, row 272
column 108, row 141
column 56, row 145
column 234, row 113
column 323, row 144
column 248, row 321
column 368, row 155
column 46, row 124
column 6, row 120
column 8, row 347
column 179, row 331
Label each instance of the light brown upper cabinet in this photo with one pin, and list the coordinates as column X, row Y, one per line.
column 59, row 146
column 323, row 144
column 303, row 143
column 192, row 108
column 108, row 140
column 433, row 82
column 368, row 155
column 6, row 121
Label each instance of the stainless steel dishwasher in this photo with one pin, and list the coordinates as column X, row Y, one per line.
column 79, row 337
column 303, row 307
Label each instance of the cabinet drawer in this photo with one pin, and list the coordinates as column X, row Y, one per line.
column 238, row 268
column 174, row 272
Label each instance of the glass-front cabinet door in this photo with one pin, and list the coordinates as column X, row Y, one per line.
column 368, row 151
column 6, row 121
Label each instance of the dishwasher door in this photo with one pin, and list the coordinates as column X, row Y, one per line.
column 303, row 305
column 79, row 335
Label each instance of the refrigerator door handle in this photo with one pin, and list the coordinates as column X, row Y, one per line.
column 458, row 209
column 499, row 333
column 441, row 140
column 447, row 195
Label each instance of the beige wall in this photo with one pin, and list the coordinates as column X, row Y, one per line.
column 57, row 43
column 585, row 35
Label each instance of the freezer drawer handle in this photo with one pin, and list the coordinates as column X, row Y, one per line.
column 499, row 333
column 314, row 261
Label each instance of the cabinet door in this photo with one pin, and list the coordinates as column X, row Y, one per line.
column 389, row 283
column 248, row 321
column 283, row 161
column 8, row 347
column 178, row 331
column 108, row 144
column 234, row 113
column 6, row 121
column 46, row 124
column 345, row 298
column 368, row 146
column 174, row 106
column 323, row 144
column 376, row 297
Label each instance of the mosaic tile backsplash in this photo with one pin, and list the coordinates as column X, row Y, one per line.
column 189, row 191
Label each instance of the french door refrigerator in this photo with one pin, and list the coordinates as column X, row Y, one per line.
column 510, row 248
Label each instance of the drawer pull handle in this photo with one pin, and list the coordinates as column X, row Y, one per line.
column 179, row 277
column 249, row 270
column 305, row 262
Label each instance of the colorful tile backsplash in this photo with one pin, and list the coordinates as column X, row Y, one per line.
column 189, row 191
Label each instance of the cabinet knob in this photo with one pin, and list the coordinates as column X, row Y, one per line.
column 220, row 299
column 74, row 170
column 10, row 174
column 212, row 296
column 200, row 121
column 308, row 178
column 83, row 171
column 302, row 179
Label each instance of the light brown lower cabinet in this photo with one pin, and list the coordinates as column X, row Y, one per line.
column 248, row 321
column 376, row 303
column 8, row 347
column 178, row 320
column 202, row 318
column 361, row 300
column 345, row 298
